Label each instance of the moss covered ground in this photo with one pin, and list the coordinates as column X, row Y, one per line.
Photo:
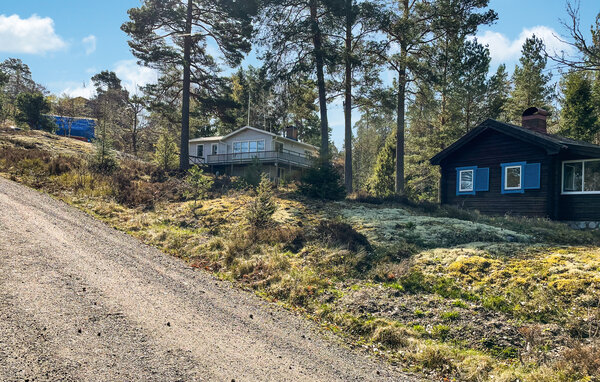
column 449, row 293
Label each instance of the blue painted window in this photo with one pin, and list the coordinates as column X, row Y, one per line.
column 520, row 176
column 470, row 180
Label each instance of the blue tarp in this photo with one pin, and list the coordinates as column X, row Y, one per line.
column 80, row 127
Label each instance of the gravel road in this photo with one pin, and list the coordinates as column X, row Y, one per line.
column 80, row 301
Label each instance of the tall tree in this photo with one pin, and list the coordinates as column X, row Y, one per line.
column 411, row 26
column 498, row 88
column 109, row 107
column 531, row 81
column 172, row 33
column 579, row 119
column 355, row 26
column 18, row 81
column 292, row 33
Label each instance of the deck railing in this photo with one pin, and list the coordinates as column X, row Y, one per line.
column 283, row 157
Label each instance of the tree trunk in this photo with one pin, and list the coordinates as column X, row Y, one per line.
column 400, row 130
column 134, row 135
column 184, row 160
column 348, row 99
column 320, row 63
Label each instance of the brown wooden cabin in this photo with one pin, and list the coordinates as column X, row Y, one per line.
column 499, row 168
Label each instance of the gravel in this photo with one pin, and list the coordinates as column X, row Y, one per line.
column 82, row 301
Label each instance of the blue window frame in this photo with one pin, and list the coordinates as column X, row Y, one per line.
column 465, row 180
column 512, row 178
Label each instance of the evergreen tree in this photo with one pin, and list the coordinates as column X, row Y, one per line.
column 261, row 210
column 166, row 151
column 579, row 119
column 382, row 182
column 31, row 108
column 172, row 33
column 498, row 88
column 295, row 42
column 531, row 81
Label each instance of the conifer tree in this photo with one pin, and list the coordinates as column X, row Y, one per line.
column 498, row 88
column 578, row 115
column 172, row 33
column 531, row 81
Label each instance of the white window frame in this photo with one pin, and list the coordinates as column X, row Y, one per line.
column 248, row 142
column 212, row 149
column 562, row 178
column 197, row 147
column 506, row 168
column 460, row 189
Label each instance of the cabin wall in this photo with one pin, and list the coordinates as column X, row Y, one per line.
column 585, row 207
column 491, row 149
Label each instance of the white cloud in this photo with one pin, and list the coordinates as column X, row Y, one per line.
column 505, row 50
column 133, row 75
column 90, row 44
column 85, row 90
column 34, row 35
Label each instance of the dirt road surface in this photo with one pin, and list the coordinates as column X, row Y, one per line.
column 80, row 301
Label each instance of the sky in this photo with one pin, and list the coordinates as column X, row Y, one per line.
column 65, row 42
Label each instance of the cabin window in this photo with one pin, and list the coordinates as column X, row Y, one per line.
column 200, row 150
column 215, row 149
column 581, row 177
column 466, row 180
column 470, row 180
column 512, row 177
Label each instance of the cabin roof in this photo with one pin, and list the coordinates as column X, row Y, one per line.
column 552, row 143
column 235, row 132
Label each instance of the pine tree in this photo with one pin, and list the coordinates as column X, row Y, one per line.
column 261, row 210
column 531, row 81
column 578, row 115
column 498, row 88
column 172, row 33
column 165, row 155
column 382, row 182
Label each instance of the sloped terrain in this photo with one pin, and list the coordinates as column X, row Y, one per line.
column 445, row 292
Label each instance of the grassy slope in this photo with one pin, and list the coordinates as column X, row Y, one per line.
column 446, row 292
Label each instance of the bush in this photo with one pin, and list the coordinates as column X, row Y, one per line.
column 322, row 182
column 133, row 193
column 198, row 184
column 341, row 234
column 261, row 210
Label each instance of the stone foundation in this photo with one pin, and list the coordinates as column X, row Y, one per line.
column 584, row 224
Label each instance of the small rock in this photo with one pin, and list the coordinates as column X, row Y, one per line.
column 251, row 317
column 84, row 289
column 168, row 324
column 98, row 334
column 79, row 331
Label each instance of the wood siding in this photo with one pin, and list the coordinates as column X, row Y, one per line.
column 490, row 150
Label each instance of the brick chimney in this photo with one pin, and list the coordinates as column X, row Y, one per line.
column 535, row 119
column 291, row 132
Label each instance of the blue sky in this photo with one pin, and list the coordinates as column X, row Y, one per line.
column 65, row 42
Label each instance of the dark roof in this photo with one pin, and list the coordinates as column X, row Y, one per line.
column 552, row 143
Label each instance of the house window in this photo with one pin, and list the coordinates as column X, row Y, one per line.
column 466, row 178
column 215, row 149
column 200, row 150
column 249, row 146
column 470, row 180
column 581, row 177
column 512, row 177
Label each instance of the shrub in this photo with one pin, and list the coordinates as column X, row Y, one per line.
column 261, row 210
column 391, row 336
column 253, row 173
column 103, row 161
column 341, row 234
column 166, row 152
column 133, row 193
column 199, row 184
column 322, row 182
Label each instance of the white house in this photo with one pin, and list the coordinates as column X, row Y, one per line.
column 231, row 154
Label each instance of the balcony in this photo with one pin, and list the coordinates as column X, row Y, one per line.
column 281, row 157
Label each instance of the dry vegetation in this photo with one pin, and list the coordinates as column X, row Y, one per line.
column 450, row 293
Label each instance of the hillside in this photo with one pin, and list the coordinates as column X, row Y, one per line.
column 448, row 293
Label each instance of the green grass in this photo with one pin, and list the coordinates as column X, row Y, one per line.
column 336, row 262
